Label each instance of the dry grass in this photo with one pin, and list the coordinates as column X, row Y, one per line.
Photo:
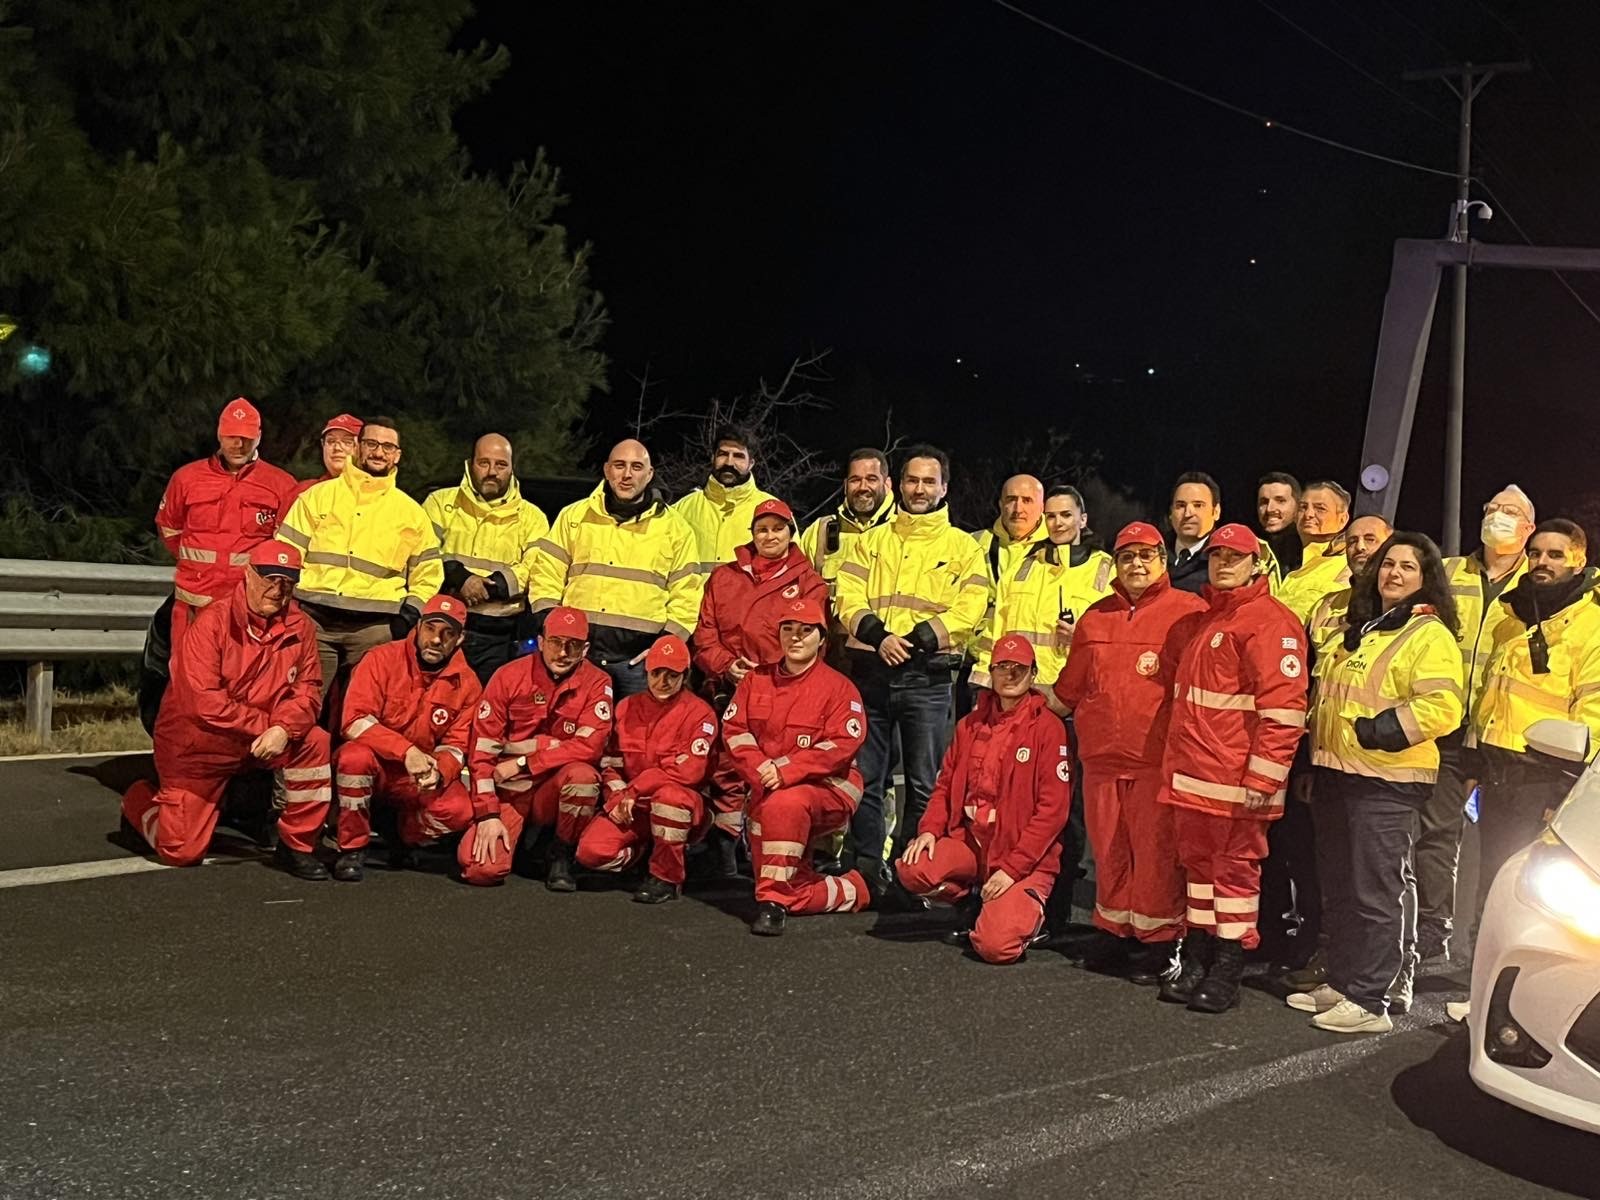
column 84, row 722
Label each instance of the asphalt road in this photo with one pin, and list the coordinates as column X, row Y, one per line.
column 228, row 1031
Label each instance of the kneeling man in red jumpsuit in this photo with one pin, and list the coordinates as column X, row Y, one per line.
column 537, row 740
column 245, row 695
column 653, row 776
column 792, row 731
column 994, row 821
column 408, row 720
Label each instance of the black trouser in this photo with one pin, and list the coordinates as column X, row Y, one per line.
column 1365, row 828
column 1438, row 850
column 1519, row 792
column 1289, row 880
column 490, row 643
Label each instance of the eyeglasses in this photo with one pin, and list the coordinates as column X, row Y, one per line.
column 387, row 449
column 1127, row 557
column 564, row 645
column 1510, row 509
column 338, row 439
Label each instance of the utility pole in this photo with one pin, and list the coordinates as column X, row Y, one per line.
column 1466, row 81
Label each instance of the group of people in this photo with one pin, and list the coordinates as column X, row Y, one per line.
column 1272, row 734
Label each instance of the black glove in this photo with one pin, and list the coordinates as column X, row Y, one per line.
column 1382, row 732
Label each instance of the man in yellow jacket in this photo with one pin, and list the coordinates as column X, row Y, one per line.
column 627, row 561
column 1544, row 662
column 911, row 596
column 1477, row 581
column 1324, row 514
column 371, row 558
column 1003, row 546
column 488, row 533
column 720, row 513
column 868, row 502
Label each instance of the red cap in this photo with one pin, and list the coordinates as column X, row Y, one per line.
column 567, row 622
column 239, row 419
column 344, row 422
column 668, row 653
column 1234, row 537
column 276, row 558
column 446, row 608
column 806, row 610
column 1013, row 648
column 773, row 507
column 1139, row 533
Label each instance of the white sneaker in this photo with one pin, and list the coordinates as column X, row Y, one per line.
column 1319, row 999
column 1349, row 1017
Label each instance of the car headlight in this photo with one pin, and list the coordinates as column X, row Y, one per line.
column 1557, row 881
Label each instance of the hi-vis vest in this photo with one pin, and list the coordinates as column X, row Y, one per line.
column 1323, row 570
column 814, row 541
column 1478, row 618
column 917, row 570
column 720, row 519
column 490, row 538
column 1514, row 696
column 1035, row 596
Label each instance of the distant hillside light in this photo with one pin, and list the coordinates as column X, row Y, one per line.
column 34, row 360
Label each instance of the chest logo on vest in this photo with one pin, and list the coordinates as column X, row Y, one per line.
column 265, row 516
column 483, row 711
column 602, row 710
column 701, row 747
column 853, row 727
column 569, row 727
column 441, row 717
column 293, row 671
column 1216, row 640
column 1147, row 664
column 1023, row 754
column 539, row 698
column 804, row 741
column 1289, row 664
column 790, row 592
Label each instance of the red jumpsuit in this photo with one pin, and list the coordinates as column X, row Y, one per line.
column 210, row 518
column 562, row 726
column 1001, row 802
column 659, row 756
column 1116, row 685
column 238, row 676
column 391, row 705
column 810, row 727
column 1238, row 710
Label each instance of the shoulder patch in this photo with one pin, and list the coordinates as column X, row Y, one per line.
column 1023, row 754
column 1292, row 643
column 1290, row 666
column 483, row 711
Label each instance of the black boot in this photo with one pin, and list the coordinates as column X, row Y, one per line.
column 129, row 838
column 1107, row 953
column 1153, row 963
column 1194, row 957
column 299, row 863
column 967, row 910
column 655, row 891
column 769, row 920
column 350, row 867
column 386, row 824
column 560, row 878
column 1219, row 991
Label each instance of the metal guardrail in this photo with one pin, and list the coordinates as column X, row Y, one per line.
column 51, row 611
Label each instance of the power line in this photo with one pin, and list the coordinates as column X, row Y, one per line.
column 1502, row 211
column 1226, row 105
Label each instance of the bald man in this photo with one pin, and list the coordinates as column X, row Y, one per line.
column 627, row 561
column 1019, row 526
column 489, row 534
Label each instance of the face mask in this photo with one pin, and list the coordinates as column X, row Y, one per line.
column 1501, row 531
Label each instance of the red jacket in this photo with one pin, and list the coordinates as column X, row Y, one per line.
column 1118, row 677
column 1035, row 785
column 210, row 519
column 654, row 743
column 1238, row 704
column 809, row 725
column 237, row 677
column 525, row 712
column 392, row 704
column 739, row 615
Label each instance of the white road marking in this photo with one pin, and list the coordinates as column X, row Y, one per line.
column 73, row 872
column 22, row 758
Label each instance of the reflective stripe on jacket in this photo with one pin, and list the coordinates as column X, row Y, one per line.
column 1515, row 695
column 493, row 539
column 655, row 743
column 392, row 704
column 809, row 726
column 1324, row 569
column 1326, row 622
column 814, row 541
column 918, row 577
column 640, row 576
column 210, row 518
column 1479, row 616
column 719, row 517
column 1412, row 672
column 1001, row 556
column 1238, row 705
column 1030, row 602
column 368, row 547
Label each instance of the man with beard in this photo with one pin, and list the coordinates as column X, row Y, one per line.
column 1544, row 663
column 911, row 596
column 1277, row 505
column 1195, row 509
column 337, row 443
column 720, row 512
column 868, row 503
column 625, row 560
column 488, row 533
column 1324, row 513
column 372, row 559
column 408, row 724
column 245, row 696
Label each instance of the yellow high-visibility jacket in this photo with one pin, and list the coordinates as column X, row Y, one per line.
column 367, row 546
column 1324, row 569
column 917, row 576
column 814, row 541
column 1480, row 617
column 1046, row 583
column 720, row 519
column 1326, row 622
column 1405, row 680
column 493, row 539
column 1514, row 696
column 638, row 577
column 1002, row 555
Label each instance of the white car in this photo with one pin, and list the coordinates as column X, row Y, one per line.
column 1535, row 1017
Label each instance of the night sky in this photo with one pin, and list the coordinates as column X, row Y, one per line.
column 911, row 182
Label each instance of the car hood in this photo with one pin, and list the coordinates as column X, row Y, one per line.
column 1577, row 822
